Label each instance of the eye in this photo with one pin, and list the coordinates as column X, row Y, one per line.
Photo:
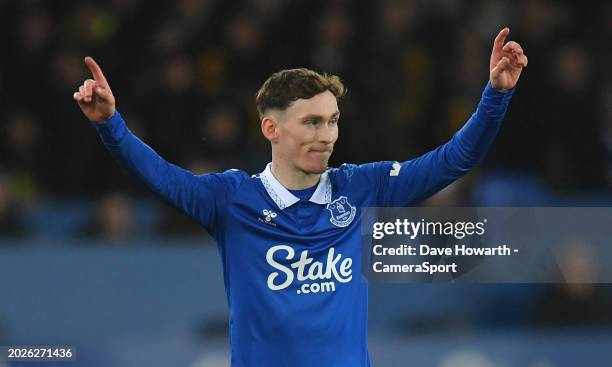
column 334, row 121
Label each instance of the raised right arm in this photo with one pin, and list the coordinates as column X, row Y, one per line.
column 200, row 197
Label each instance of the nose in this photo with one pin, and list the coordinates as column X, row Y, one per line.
column 327, row 134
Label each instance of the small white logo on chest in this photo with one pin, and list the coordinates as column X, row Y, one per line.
column 269, row 215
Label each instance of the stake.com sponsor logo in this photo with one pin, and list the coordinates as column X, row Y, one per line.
column 309, row 269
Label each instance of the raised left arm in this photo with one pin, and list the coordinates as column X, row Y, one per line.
column 412, row 181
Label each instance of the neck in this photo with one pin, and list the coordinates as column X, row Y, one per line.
column 293, row 179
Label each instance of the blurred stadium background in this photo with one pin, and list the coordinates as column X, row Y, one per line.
column 90, row 258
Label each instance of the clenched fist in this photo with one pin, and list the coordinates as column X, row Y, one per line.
column 95, row 96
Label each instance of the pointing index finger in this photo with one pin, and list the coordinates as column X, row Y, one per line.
column 501, row 38
column 96, row 71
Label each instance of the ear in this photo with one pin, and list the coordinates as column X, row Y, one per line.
column 269, row 128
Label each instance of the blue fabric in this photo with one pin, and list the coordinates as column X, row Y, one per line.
column 304, row 194
column 292, row 276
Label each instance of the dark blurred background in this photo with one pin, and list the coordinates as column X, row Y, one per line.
column 89, row 257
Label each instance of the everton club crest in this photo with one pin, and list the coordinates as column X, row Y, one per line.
column 342, row 212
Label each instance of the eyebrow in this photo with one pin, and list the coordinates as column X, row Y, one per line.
column 319, row 117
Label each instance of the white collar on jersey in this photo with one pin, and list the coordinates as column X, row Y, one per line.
column 284, row 199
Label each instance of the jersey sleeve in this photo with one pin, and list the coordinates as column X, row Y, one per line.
column 202, row 197
column 409, row 182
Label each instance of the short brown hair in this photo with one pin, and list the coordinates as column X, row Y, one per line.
column 286, row 86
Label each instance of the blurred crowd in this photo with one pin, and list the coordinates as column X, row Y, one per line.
column 185, row 74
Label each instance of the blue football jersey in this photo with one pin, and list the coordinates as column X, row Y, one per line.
column 291, row 267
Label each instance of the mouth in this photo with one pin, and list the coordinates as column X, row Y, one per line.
column 320, row 153
column 323, row 150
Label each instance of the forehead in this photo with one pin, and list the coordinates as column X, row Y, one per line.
column 323, row 104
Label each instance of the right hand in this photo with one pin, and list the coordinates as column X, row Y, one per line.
column 95, row 96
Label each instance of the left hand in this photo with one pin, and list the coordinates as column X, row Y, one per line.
column 507, row 62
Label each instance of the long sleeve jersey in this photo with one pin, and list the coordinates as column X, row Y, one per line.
column 291, row 267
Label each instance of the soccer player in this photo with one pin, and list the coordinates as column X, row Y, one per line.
column 289, row 237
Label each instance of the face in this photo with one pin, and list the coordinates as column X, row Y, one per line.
column 306, row 132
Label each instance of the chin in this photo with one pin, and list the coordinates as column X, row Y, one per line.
column 316, row 168
column 319, row 171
